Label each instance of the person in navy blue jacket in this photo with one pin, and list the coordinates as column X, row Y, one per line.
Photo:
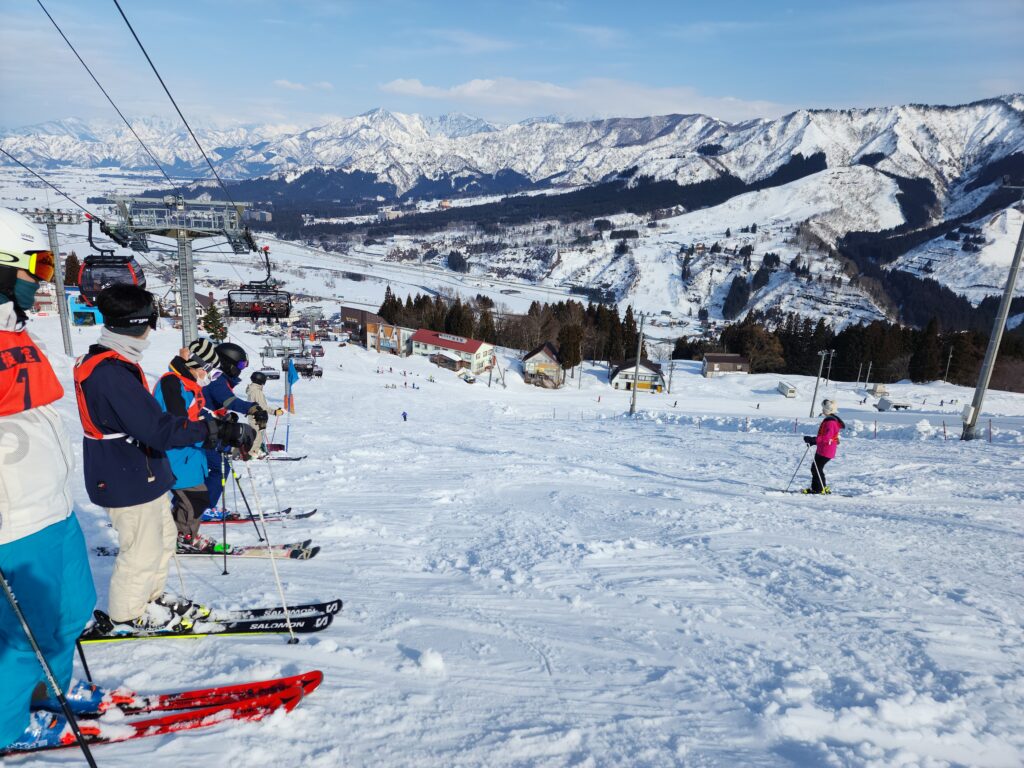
column 221, row 399
column 126, row 467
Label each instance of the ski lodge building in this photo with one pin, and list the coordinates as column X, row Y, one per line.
column 395, row 339
column 717, row 363
column 645, row 376
column 543, row 367
column 477, row 355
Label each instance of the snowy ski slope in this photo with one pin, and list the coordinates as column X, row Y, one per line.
column 533, row 579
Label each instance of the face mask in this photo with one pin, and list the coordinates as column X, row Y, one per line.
column 25, row 293
column 202, row 379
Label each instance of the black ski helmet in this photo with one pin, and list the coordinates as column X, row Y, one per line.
column 258, row 377
column 232, row 359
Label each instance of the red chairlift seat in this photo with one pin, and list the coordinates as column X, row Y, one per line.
column 260, row 300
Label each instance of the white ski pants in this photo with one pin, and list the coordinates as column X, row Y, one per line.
column 147, row 538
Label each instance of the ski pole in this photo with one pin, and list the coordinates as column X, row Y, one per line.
column 292, row 640
column 238, row 485
column 800, row 464
column 273, row 484
column 224, row 510
column 50, row 679
column 85, row 664
column 277, row 418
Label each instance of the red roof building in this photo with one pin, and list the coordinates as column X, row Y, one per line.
column 478, row 355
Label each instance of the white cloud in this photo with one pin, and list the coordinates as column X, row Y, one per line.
column 288, row 85
column 603, row 97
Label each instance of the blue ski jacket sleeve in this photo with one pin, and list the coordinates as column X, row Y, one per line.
column 218, row 394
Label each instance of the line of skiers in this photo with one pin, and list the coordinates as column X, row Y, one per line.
column 153, row 460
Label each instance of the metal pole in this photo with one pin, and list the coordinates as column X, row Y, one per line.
column 859, row 369
column 636, row 369
column 799, row 464
column 971, row 414
column 47, row 672
column 58, row 281
column 671, row 370
column 948, row 361
column 186, row 284
column 868, row 377
column 828, row 376
column 821, row 365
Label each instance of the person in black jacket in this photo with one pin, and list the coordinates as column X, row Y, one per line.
column 127, row 471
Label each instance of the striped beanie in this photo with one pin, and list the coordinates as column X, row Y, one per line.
column 203, row 351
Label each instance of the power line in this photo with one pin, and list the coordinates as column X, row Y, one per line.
column 51, row 185
column 169, row 96
column 104, row 91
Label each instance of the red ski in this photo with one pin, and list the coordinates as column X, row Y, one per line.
column 244, row 709
column 206, row 697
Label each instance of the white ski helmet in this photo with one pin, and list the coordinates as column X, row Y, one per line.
column 828, row 407
column 23, row 246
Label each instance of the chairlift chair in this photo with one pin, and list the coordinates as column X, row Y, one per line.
column 259, row 300
column 103, row 269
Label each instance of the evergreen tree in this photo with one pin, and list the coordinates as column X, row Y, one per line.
column 72, row 266
column 485, row 330
column 737, row 298
column 629, row 332
column 925, row 362
column 570, row 345
column 213, row 323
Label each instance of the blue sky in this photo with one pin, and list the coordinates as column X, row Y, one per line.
column 302, row 61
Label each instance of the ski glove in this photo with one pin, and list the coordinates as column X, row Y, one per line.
column 810, row 440
column 259, row 416
column 231, row 434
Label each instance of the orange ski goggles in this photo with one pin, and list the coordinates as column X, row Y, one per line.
column 40, row 264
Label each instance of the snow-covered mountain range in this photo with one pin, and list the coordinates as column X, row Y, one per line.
column 946, row 145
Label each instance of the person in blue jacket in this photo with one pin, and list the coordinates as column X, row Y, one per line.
column 180, row 392
column 127, row 472
column 221, row 399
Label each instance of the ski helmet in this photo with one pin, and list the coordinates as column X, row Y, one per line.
column 258, row 377
column 22, row 246
column 232, row 359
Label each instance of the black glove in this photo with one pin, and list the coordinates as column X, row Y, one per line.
column 230, row 433
column 810, row 440
column 259, row 415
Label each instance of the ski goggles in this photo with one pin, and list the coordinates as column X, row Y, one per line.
column 242, row 364
column 40, row 264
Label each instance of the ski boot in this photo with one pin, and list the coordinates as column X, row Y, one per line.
column 200, row 545
column 47, row 730
column 155, row 619
column 182, row 607
column 87, row 699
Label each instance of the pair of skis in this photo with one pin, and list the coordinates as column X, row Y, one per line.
column 187, row 710
column 304, row 619
column 298, row 550
column 235, row 518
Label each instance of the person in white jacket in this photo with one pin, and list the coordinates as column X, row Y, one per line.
column 43, row 556
column 254, row 393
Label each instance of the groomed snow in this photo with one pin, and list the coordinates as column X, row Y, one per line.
column 533, row 578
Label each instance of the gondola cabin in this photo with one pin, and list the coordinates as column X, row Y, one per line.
column 100, row 271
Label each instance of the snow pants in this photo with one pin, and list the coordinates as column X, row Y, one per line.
column 818, row 473
column 147, row 539
column 187, row 507
column 48, row 572
column 213, row 480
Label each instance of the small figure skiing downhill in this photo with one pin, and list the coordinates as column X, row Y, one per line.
column 827, row 442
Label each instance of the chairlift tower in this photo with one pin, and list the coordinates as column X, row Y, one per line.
column 174, row 217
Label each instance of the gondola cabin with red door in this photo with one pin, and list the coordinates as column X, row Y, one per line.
column 103, row 270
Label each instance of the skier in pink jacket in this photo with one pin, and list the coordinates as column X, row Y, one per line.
column 827, row 441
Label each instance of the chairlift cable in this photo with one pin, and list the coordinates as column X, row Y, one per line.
column 178, row 109
column 111, row 100
column 51, row 185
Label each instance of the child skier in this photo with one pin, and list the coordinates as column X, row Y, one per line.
column 126, row 467
column 827, row 440
column 254, row 391
column 221, row 399
column 180, row 392
column 42, row 552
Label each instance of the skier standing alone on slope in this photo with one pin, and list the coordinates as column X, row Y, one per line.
column 126, row 467
column 180, row 393
column 254, row 391
column 42, row 551
column 827, row 441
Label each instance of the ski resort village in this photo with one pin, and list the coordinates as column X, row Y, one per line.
column 539, row 384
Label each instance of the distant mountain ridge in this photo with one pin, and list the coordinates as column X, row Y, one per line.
column 945, row 145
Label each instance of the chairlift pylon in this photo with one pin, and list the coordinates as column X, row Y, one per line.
column 260, row 300
column 103, row 269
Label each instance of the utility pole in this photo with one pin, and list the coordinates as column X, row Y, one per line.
column 973, row 411
column 821, row 365
column 58, row 281
column 867, row 378
column 860, row 368
column 828, row 376
column 636, row 368
column 948, row 361
column 671, row 370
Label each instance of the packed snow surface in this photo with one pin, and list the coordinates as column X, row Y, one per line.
column 531, row 577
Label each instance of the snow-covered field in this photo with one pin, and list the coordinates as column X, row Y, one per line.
column 531, row 578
